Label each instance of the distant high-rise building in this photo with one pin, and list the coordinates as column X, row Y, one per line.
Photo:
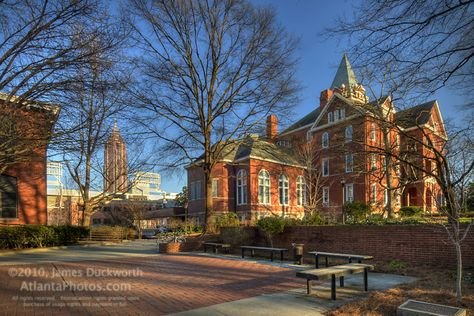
column 115, row 163
column 147, row 184
column 54, row 177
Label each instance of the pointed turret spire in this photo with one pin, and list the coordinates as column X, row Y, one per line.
column 344, row 75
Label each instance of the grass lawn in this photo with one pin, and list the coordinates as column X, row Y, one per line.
column 434, row 285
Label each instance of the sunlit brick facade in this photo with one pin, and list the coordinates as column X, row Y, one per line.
column 23, row 184
column 353, row 141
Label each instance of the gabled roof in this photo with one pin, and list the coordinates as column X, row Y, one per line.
column 417, row 115
column 258, row 148
column 344, row 75
column 306, row 120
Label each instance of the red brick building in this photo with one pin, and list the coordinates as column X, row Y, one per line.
column 23, row 174
column 353, row 143
column 254, row 177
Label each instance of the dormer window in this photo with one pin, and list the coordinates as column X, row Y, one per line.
column 283, row 143
column 330, row 117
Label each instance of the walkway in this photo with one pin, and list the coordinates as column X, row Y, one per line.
column 132, row 279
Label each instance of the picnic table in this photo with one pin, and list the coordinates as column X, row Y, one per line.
column 348, row 257
column 334, row 272
column 270, row 249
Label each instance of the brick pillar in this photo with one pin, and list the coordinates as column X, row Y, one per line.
column 324, row 97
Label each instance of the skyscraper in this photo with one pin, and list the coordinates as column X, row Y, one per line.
column 115, row 163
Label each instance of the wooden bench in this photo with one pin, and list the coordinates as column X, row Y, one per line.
column 348, row 257
column 334, row 272
column 419, row 308
column 215, row 246
column 272, row 250
column 104, row 236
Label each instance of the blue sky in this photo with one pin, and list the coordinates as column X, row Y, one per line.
column 318, row 59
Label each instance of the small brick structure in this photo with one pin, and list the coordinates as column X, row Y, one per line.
column 419, row 308
column 175, row 247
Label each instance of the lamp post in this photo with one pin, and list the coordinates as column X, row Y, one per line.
column 343, row 184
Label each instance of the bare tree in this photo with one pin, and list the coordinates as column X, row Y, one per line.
column 309, row 156
column 429, row 152
column 98, row 94
column 429, row 43
column 38, row 50
column 132, row 213
column 212, row 72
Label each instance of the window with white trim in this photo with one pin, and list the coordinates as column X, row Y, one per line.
column 325, row 167
column 342, row 114
column 337, row 115
column 373, row 132
column 263, row 187
column 283, row 188
column 383, row 158
column 330, row 117
column 8, row 197
column 348, row 134
column 349, row 194
column 300, row 191
column 215, row 186
column 325, row 140
column 326, row 196
column 349, row 162
column 373, row 193
column 241, row 187
column 373, row 162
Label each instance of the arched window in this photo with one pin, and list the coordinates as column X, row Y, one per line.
column 283, row 186
column 348, row 133
column 330, row 117
column 300, row 191
column 325, row 140
column 263, row 187
column 241, row 187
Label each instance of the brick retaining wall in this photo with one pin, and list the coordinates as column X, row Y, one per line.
column 413, row 244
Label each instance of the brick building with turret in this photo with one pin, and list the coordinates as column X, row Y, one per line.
column 353, row 143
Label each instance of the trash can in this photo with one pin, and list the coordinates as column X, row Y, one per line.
column 298, row 253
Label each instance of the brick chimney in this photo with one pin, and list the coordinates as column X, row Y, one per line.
column 324, row 97
column 272, row 126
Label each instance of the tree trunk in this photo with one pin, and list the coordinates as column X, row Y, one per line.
column 458, row 270
column 208, row 227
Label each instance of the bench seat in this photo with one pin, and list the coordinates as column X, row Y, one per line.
column 215, row 246
column 334, row 272
column 270, row 249
column 348, row 257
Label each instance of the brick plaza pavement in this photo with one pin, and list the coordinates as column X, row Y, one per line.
column 152, row 285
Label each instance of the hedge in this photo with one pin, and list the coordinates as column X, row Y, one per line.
column 37, row 236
